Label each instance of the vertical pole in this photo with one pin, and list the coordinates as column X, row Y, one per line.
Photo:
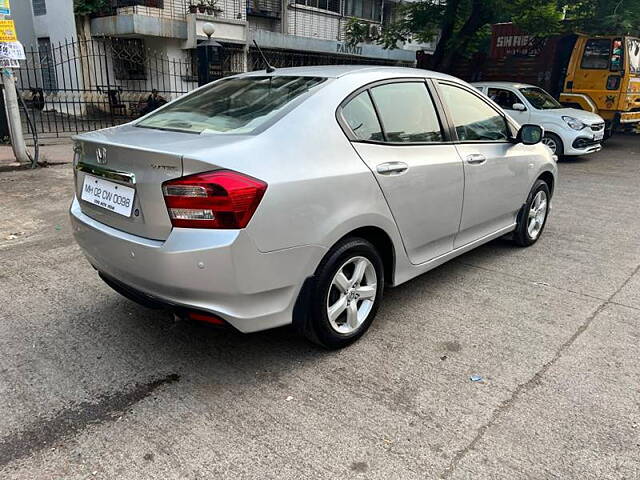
column 13, row 115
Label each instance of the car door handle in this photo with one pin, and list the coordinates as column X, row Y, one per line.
column 392, row 168
column 476, row 159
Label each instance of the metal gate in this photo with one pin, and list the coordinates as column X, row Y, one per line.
column 77, row 86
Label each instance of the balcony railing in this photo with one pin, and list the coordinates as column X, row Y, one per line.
column 174, row 9
column 264, row 8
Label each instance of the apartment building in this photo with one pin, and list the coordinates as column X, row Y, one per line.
column 295, row 32
column 95, row 71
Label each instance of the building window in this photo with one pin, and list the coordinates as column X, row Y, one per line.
column 47, row 65
column 129, row 59
column 330, row 5
column 365, row 9
column 39, row 7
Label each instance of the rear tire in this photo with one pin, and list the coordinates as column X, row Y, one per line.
column 533, row 216
column 345, row 294
column 554, row 143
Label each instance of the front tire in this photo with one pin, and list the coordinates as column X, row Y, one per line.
column 345, row 294
column 554, row 143
column 533, row 216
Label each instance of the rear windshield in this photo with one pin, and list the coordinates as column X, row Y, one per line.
column 234, row 105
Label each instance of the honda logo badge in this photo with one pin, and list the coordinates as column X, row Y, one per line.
column 101, row 155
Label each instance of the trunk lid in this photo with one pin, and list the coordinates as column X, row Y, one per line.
column 142, row 159
column 132, row 157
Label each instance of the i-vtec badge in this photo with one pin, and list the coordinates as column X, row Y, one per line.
column 101, row 155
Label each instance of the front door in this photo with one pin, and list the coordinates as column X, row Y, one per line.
column 496, row 170
column 506, row 99
column 401, row 140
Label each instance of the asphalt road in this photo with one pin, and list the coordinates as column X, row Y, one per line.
column 94, row 386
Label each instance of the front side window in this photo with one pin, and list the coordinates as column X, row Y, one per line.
column 362, row 119
column 633, row 54
column 234, row 105
column 540, row 99
column 597, row 54
column 505, row 98
column 407, row 113
column 474, row 119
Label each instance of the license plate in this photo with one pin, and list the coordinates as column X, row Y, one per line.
column 598, row 135
column 108, row 195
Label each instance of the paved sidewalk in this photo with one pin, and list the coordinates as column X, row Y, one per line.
column 49, row 154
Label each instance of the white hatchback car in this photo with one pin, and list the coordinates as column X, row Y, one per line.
column 568, row 131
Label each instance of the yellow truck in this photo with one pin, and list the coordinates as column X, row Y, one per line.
column 603, row 76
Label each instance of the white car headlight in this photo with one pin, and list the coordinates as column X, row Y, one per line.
column 573, row 123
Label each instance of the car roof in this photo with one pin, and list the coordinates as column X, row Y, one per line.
column 337, row 71
column 503, row 84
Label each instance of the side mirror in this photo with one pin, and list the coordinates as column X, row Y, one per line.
column 530, row 134
column 519, row 107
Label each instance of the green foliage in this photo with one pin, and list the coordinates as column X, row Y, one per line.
column 605, row 16
column 462, row 26
column 88, row 7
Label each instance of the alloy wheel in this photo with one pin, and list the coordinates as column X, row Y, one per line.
column 551, row 143
column 537, row 214
column 352, row 295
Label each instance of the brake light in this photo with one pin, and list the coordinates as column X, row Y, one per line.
column 221, row 199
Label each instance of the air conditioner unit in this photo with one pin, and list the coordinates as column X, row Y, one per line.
column 375, row 30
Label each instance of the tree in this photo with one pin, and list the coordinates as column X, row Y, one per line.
column 621, row 17
column 87, row 7
column 458, row 25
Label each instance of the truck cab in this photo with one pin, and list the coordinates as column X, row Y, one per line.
column 603, row 77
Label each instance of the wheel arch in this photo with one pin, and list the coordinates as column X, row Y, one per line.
column 549, row 179
column 383, row 243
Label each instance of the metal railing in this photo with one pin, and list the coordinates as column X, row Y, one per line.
column 174, row 9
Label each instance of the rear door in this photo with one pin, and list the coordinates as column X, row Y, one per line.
column 496, row 170
column 396, row 130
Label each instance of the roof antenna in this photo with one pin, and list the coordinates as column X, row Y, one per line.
column 270, row 68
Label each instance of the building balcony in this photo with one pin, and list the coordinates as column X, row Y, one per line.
column 153, row 18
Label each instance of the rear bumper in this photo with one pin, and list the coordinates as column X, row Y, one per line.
column 217, row 271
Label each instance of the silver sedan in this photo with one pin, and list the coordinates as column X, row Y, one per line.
column 296, row 196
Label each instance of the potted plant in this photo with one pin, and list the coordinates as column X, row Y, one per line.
column 193, row 8
column 212, row 7
column 202, row 7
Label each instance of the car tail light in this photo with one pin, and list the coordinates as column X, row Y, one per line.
column 220, row 199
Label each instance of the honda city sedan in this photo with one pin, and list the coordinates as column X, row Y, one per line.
column 296, row 196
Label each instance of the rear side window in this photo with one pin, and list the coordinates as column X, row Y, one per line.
column 234, row 105
column 362, row 119
column 596, row 54
column 474, row 119
column 407, row 113
column 505, row 98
